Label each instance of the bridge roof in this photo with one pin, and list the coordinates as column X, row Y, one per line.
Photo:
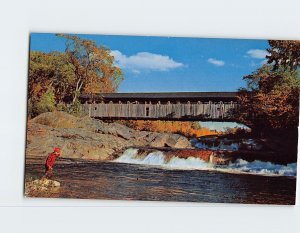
column 221, row 96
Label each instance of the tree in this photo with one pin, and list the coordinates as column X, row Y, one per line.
column 94, row 66
column 50, row 70
column 82, row 68
column 50, row 76
column 46, row 103
column 271, row 99
column 284, row 53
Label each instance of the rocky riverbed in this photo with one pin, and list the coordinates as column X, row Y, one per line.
column 113, row 161
column 92, row 139
column 88, row 138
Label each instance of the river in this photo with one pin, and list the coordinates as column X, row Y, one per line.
column 151, row 177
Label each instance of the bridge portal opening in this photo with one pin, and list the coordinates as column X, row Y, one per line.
column 147, row 111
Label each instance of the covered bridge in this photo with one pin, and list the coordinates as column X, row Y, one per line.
column 212, row 106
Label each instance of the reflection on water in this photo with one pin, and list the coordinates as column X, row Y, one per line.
column 120, row 181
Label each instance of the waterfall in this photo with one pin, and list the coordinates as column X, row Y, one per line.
column 158, row 158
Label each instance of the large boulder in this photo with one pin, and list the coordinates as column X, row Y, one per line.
column 56, row 119
column 170, row 140
column 74, row 143
column 120, row 130
column 42, row 186
column 180, row 141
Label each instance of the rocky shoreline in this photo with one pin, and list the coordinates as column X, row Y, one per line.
column 91, row 139
column 85, row 140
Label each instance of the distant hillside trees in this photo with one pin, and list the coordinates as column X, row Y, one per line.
column 271, row 98
column 59, row 77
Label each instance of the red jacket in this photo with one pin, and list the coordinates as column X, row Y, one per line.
column 51, row 159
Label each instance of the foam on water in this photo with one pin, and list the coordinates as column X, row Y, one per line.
column 263, row 168
column 129, row 156
column 189, row 163
column 158, row 158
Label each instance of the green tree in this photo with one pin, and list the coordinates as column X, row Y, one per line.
column 46, row 103
column 51, row 80
column 50, row 70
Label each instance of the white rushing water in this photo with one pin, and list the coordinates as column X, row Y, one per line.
column 226, row 144
column 158, row 158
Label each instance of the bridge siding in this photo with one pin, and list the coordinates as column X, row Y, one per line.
column 202, row 110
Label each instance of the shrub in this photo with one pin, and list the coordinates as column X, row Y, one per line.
column 188, row 129
column 46, row 103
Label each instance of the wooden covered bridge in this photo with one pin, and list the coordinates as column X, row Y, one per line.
column 200, row 106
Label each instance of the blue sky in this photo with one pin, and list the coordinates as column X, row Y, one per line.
column 172, row 64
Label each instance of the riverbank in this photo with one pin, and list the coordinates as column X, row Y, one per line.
column 278, row 147
column 88, row 138
column 93, row 139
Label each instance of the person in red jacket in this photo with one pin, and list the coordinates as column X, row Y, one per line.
column 50, row 162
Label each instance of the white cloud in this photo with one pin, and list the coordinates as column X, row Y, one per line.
column 259, row 63
column 257, row 53
column 264, row 62
column 145, row 61
column 216, row 62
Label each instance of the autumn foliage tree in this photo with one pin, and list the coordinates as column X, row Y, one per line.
column 271, row 99
column 94, row 66
column 54, row 77
column 284, row 53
